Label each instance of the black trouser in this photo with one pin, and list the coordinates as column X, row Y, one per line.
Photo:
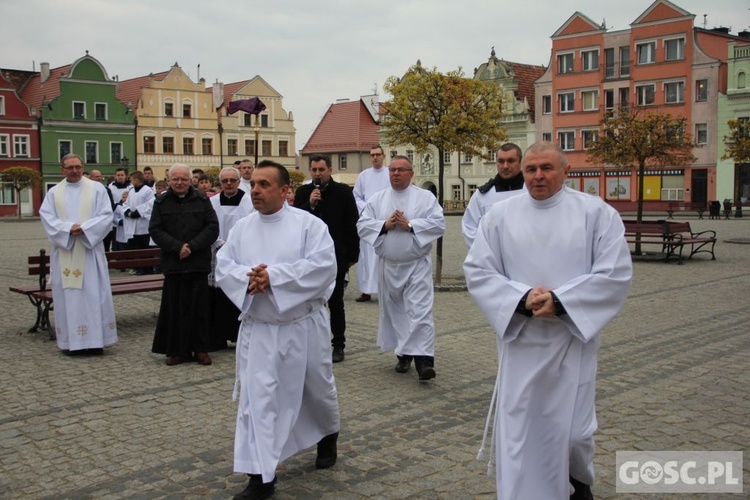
column 140, row 242
column 336, row 308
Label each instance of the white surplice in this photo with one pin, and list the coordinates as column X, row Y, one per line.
column 84, row 317
column 405, row 267
column 142, row 201
column 479, row 204
column 572, row 243
column 228, row 216
column 287, row 392
column 369, row 181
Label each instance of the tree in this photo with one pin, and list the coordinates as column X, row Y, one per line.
column 446, row 111
column 297, row 177
column 635, row 138
column 737, row 143
column 21, row 178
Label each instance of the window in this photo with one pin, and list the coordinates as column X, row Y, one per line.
column 675, row 132
column 115, row 152
column 187, row 146
column 674, row 92
column 79, row 110
column 567, row 140
column 21, row 146
column 565, row 63
column 249, row 147
column 546, row 104
column 646, row 52
column 283, row 148
column 547, row 136
column 674, row 49
column 7, row 194
column 64, row 148
column 186, row 109
column 264, row 121
column 609, row 63
column 741, row 77
column 468, row 157
column 624, row 97
column 624, row 61
column 472, row 189
column 207, row 146
column 342, row 162
column 701, row 90
column 446, row 156
column 232, row 147
column 590, row 60
column 248, row 120
column 410, row 155
column 701, row 133
column 589, row 137
column 100, row 109
column 167, row 145
column 149, row 144
column 4, row 145
column 2, row 104
column 609, row 98
column 456, row 188
column 590, row 100
column 266, row 146
column 168, row 109
column 92, row 151
column 492, row 156
column 567, row 102
column 644, row 94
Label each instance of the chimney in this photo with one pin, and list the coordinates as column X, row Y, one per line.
column 44, row 71
column 744, row 35
column 721, row 29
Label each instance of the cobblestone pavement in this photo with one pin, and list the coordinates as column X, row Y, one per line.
column 673, row 375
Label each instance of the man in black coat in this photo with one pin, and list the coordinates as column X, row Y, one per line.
column 334, row 204
column 184, row 226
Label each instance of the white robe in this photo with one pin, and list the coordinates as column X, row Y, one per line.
column 288, row 399
column 141, row 201
column 228, row 216
column 84, row 317
column 572, row 243
column 479, row 204
column 245, row 186
column 405, row 268
column 369, row 182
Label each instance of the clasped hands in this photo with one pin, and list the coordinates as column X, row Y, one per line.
column 539, row 301
column 397, row 219
column 75, row 229
column 259, row 280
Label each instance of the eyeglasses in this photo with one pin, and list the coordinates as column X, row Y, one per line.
column 376, row 154
column 399, row 169
column 180, row 179
column 227, row 181
column 73, row 167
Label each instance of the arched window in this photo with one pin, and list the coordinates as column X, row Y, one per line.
column 741, row 77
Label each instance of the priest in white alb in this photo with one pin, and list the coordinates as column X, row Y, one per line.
column 77, row 215
column 401, row 223
column 278, row 266
column 549, row 269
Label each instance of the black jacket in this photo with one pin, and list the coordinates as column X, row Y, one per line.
column 338, row 209
column 176, row 221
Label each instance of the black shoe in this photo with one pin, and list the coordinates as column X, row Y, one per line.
column 404, row 363
column 256, row 489
column 425, row 367
column 97, row 351
column 338, row 355
column 365, row 297
column 582, row 490
column 327, row 453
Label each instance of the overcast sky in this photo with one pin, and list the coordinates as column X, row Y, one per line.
column 312, row 52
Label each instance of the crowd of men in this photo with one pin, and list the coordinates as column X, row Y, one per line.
column 250, row 264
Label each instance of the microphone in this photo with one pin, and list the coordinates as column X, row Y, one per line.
column 316, row 185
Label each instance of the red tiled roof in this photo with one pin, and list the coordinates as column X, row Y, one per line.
column 129, row 91
column 526, row 75
column 17, row 78
column 346, row 126
column 35, row 92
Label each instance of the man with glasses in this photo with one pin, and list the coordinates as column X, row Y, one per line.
column 246, row 172
column 184, row 226
column 369, row 182
column 76, row 215
column 401, row 223
column 230, row 205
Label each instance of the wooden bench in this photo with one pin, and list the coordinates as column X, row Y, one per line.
column 701, row 242
column 686, row 206
column 653, row 233
column 40, row 295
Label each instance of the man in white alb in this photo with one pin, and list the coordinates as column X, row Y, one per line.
column 401, row 223
column 246, row 172
column 549, row 269
column 369, row 182
column 77, row 215
column 278, row 267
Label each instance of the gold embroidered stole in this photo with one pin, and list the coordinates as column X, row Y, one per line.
column 72, row 263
